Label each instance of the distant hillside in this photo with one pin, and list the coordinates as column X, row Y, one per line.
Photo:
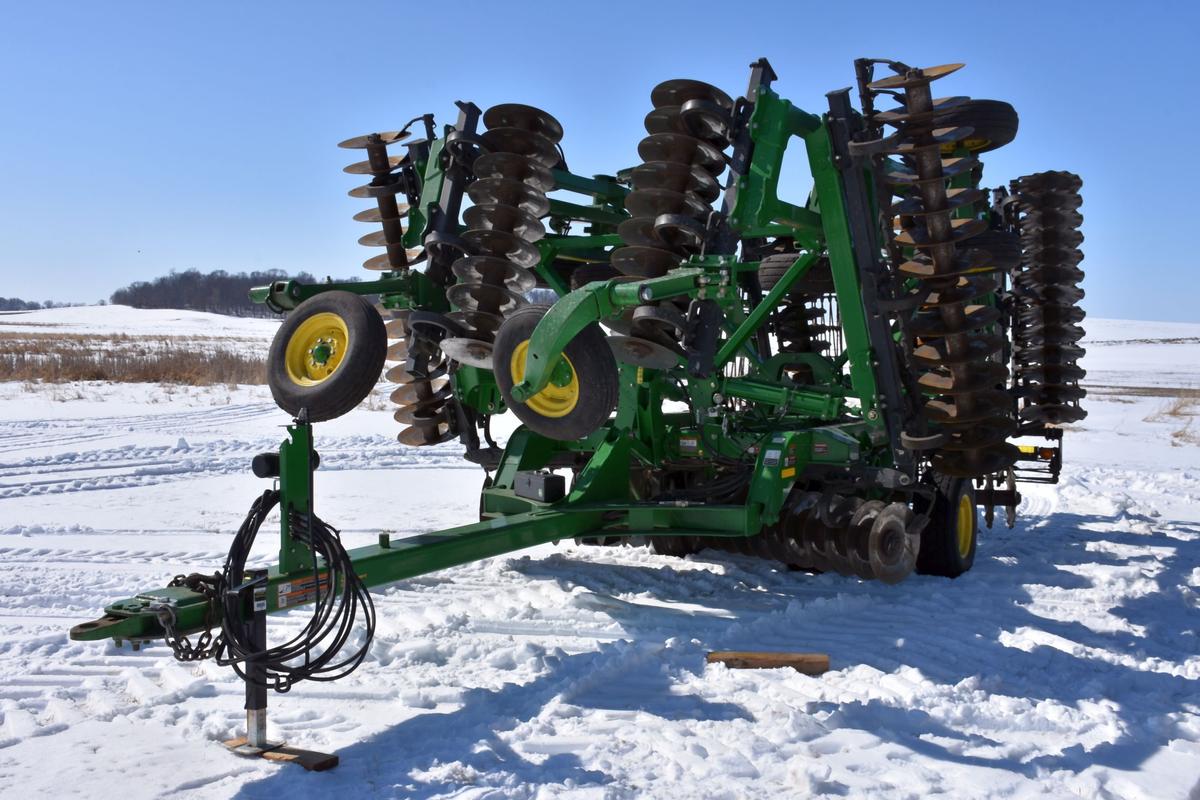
column 217, row 292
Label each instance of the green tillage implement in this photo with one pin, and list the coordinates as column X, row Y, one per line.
column 600, row 503
column 830, row 384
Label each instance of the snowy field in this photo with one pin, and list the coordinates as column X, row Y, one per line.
column 1066, row 664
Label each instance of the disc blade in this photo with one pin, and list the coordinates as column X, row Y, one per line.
column 473, row 352
column 528, row 118
column 422, row 436
column 502, row 244
column 421, row 392
column 372, row 191
column 484, row 297
column 916, row 77
column 676, row 177
column 644, row 262
column 531, row 145
column 397, row 351
column 642, row 353
column 489, row 269
column 509, row 192
column 513, row 167
column 682, row 149
column 365, row 168
column 385, row 138
column 383, row 262
column 655, row 202
column 374, row 214
column 376, row 239
column 494, row 216
column 678, row 91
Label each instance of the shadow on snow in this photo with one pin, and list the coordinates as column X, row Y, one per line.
column 950, row 630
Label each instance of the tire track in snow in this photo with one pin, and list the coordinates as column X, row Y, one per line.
column 1065, row 654
column 124, row 468
column 16, row 435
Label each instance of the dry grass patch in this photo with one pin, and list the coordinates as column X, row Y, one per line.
column 1181, row 410
column 1142, row 391
column 64, row 358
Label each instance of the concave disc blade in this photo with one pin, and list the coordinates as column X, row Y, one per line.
column 527, row 118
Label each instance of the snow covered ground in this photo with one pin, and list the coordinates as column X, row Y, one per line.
column 114, row 326
column 1065, row 664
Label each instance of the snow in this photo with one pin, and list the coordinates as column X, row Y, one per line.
column 140, row 331
column 1064, row 664
column 1135, row 353
column 136, row 322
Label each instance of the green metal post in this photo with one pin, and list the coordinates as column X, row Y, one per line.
column 827, row 184
column 756, row 204
column 296, row 463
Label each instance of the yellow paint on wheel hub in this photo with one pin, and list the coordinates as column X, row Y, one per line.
column 972, row 144
column 965, row 524
column 555, row 400
column 316, row 348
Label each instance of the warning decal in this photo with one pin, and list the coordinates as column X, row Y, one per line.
column 299, row 592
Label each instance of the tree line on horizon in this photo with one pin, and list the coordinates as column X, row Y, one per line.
column 217, row 292
column 17, row 304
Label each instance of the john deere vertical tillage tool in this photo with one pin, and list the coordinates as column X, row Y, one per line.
column 835, row 382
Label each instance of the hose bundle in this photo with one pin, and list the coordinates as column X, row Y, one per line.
column 314, row 653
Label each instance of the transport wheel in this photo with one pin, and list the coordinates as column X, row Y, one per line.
column 772, row 268
column 586, row 273
column 948, row 542
column 994, row 123
column 327, row 355
column 583, row 386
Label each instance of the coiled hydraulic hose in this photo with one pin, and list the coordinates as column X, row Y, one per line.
column 315, row 653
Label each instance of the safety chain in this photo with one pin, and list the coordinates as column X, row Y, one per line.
column 207, row 645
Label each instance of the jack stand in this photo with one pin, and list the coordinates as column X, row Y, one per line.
column 255, row 742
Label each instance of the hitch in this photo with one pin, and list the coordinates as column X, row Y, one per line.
column 137, row 620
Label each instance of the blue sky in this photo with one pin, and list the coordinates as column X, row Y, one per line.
column 143, row 137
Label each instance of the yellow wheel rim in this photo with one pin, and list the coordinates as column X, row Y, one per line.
column 966, row 524
column 316, row 349
column 558, row 398
column 972, row 144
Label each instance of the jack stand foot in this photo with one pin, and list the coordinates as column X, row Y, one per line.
column 278, row 751
column 241, row 746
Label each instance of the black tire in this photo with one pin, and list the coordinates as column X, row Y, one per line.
column 940, row 552
column 586, row 273
column 1004, row 247
column 817, row 280
column 296, row 385
column 994, row 122
column 593, row 365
